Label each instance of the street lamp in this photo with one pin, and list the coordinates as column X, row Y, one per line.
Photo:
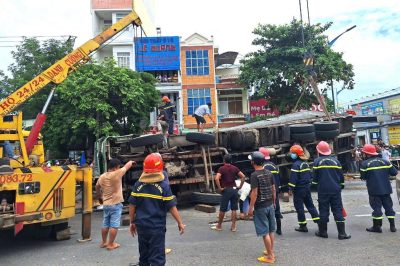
column 330, row 45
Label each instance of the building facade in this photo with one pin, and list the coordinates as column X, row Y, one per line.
column 386, row 108
column 198, row 78
column 121, row 48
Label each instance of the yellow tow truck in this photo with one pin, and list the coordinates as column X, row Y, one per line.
column 30, row 191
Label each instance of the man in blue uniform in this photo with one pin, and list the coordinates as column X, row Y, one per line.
column 270, row 166
column 169, row 113
column 376, row 172
column 299, row 183
column 328, row 176
column 150, row 200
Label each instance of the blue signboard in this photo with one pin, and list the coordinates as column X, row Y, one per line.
column 372, row 108
column 157, row 53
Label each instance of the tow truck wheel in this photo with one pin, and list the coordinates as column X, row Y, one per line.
column 147, row 140
column 206, row 198
column 301, row 128
column 326, row 126
column 200, row 138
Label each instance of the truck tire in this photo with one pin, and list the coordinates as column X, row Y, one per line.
column 301, row 128
column 206, row 198
column 242, row 140
column 310, row 136
column 326, row 126
column 323, row 135
column 147, row 140
column 200, row 138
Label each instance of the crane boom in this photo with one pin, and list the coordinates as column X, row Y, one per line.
column 60, row 70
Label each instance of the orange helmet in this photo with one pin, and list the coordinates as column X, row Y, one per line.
column 165, row 99
column 153, row 163
column 323, row 148
column 369, row 149
column 297, row 149
column 265, row 152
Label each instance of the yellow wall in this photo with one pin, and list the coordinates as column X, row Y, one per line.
column 198, row 82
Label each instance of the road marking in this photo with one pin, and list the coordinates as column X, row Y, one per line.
column 362, row 215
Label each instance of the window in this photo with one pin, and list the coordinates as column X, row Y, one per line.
column 123, row 59
column 197, row 63
column 230, row 102
column 106, row 24
column 197, row 97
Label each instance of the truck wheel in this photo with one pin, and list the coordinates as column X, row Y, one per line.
column 301, row 128
column 206, row 198
column 331, row 134
column 147, row 140
column 200, row 138
column 310, row 136
column 326, row 126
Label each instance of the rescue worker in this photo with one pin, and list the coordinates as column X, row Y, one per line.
column 328, row 177
column 376, row 172
column 150, row 200
column 169, row 113
column 270, row 166
column 299, row 183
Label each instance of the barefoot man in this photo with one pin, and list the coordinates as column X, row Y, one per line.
column 109, row 193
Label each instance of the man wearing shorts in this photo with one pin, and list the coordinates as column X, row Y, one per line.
column 199, row 114
column 109, row 193
column 225, row 181
column 263, row 196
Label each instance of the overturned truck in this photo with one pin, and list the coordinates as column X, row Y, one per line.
column 192, row 160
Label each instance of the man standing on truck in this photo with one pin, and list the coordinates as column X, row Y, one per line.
column 328, row 176
column 109, row 193
column 199, row 114
column 225, row 180
column 376, row 171
column 169, row 114
column 270, row 166
column 150, row 200
column 299, row 183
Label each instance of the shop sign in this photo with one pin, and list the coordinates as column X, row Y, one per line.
column 260, row 108
column 372, row 108
column 394, row 135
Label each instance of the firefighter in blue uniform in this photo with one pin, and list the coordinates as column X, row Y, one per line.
column 270, row 166
column 376, row 171
column 169, row 112
column 150, row 200
column 299, row 183
column 328, row 177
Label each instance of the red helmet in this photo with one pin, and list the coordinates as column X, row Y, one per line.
column 153, row 163
column 265, row 152
column 165, row 99
column 369, row 149
column 323, row 148
column 297, row 149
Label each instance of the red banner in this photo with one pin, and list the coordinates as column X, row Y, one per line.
column 260, row 108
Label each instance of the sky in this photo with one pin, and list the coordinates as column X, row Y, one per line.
column 372, row 47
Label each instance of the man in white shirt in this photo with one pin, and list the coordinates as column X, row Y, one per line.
column 386, row 154
column 199, row 114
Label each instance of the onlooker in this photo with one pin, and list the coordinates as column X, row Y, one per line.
column 150, row 200
column 109, row 193
column 263, row 197
column 386, row 153
column 162, row 125
column 199, row 114
column 244, row 199
column 225, row 180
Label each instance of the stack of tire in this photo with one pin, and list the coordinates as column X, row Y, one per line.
column 326, row 130
column 302, row 132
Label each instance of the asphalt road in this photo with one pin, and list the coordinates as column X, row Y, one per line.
column 202, row 246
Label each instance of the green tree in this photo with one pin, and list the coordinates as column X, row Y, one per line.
column 276, row 69
column 99, row 100
column 31, row 58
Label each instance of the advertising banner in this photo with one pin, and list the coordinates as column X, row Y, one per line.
column 260, row 108
column 157, row 53
column 394, row 106
column 394, row 135
column 372, row 108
